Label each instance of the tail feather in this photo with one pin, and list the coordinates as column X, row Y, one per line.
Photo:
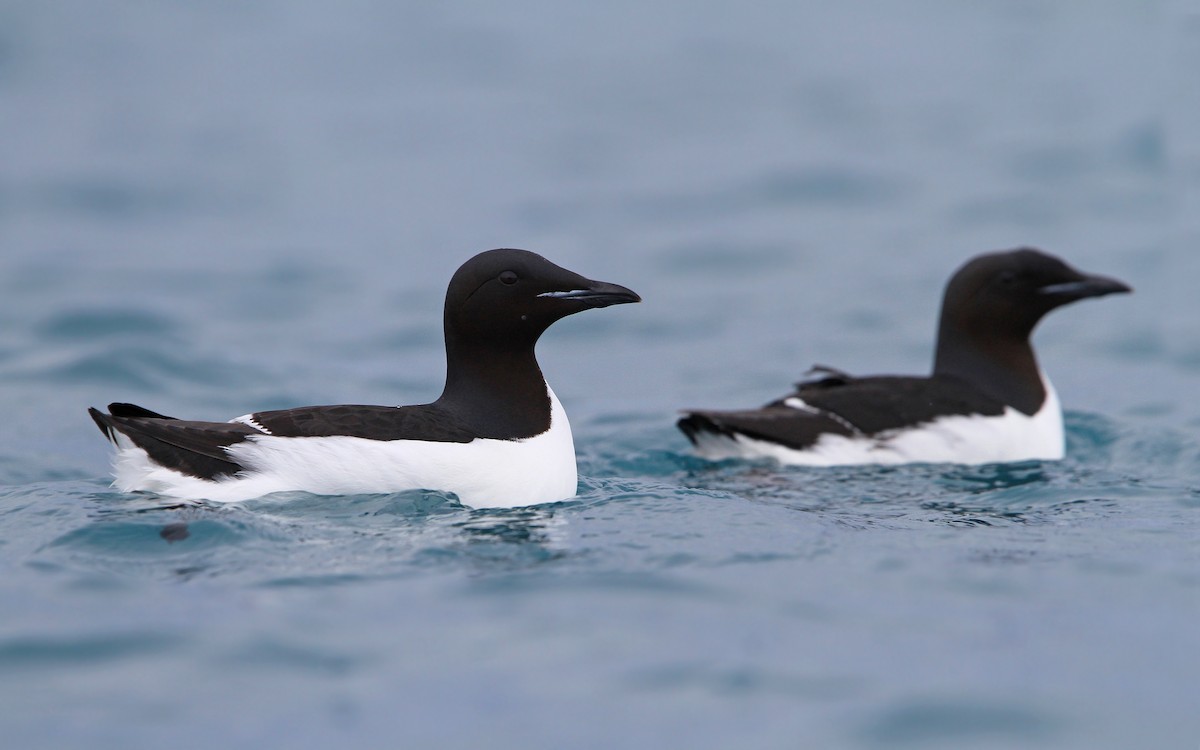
column 694, row 424
column 794, row 428
column 108, row 422
column 133, row 410
column 105, row 423
column 194, row 448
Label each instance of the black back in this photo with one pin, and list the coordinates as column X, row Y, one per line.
column 429, row 421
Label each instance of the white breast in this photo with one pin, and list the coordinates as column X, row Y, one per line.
column 1011, row 436
column 483, row 473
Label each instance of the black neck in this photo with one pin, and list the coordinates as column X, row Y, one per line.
column 500, row 392
column 1004, row 368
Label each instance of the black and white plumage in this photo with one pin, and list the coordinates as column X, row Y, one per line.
column 496, row 437
column 987, row 400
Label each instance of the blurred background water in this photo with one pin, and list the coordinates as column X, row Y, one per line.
column 214, row 208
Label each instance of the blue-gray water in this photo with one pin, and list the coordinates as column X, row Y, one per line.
column 219, row 207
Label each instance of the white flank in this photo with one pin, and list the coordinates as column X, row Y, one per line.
column 975, row 439
column 482, row 473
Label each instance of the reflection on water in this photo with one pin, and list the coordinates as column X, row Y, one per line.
column 921, row 724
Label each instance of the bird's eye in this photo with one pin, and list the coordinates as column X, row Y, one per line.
column 508, row 277
column 1007, row 278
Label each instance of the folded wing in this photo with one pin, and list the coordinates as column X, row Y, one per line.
column 847, row 406
column 200, row 449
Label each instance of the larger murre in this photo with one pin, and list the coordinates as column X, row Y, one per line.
column 987, row 400
column 496, row 437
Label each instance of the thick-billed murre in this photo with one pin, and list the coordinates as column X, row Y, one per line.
column 496, row 437
column 987, row 400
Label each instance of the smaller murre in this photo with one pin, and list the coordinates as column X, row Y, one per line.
column 496, row 437
column 987, row 400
